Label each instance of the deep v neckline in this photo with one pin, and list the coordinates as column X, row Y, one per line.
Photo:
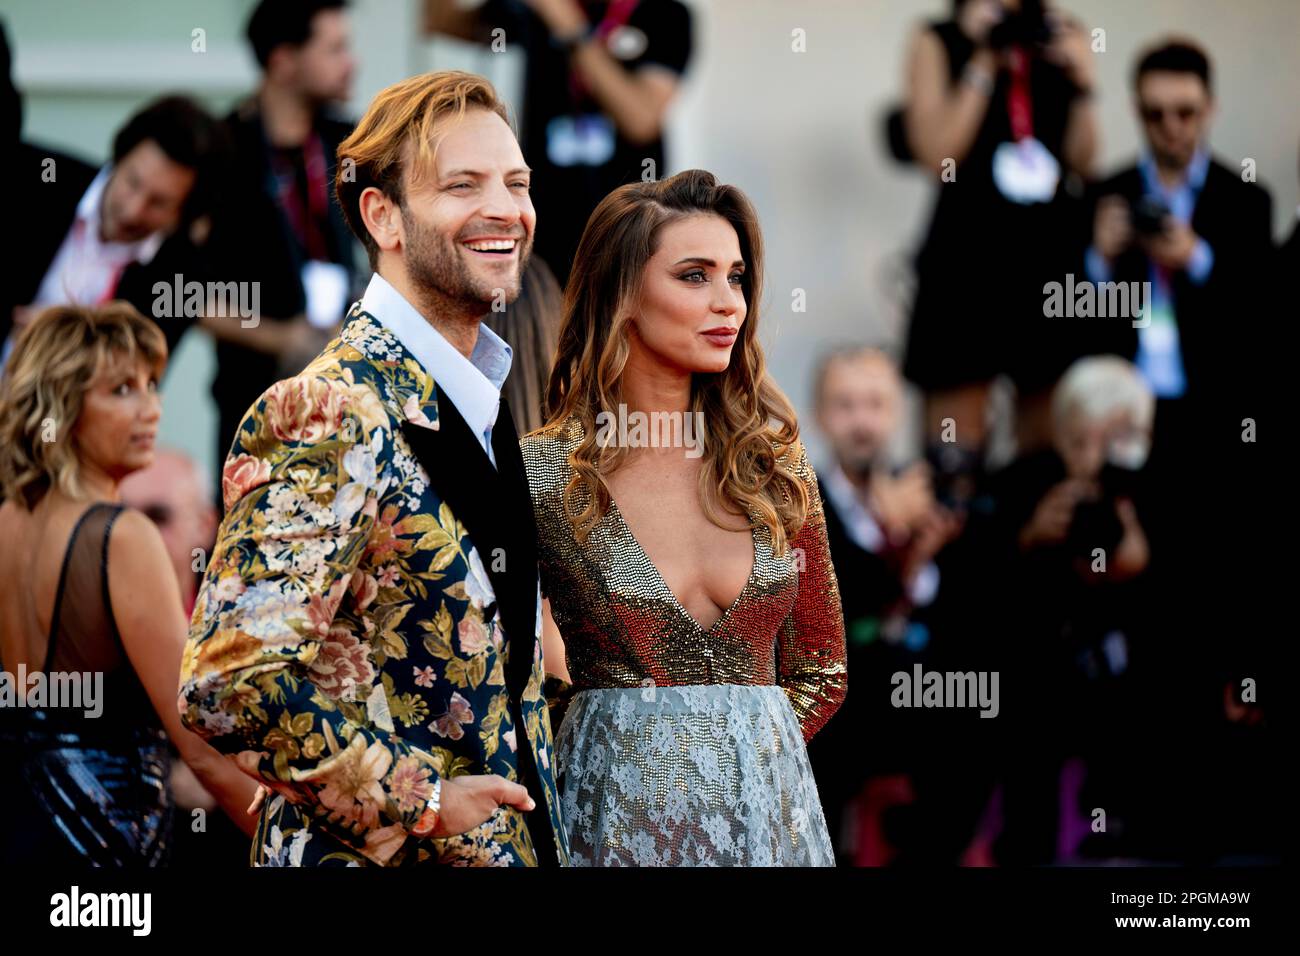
column 617, row 512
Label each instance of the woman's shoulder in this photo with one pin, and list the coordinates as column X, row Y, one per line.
column 793, row 461
column 133, row 541
column 136, row 564
column 548, row 448
column 793, row 457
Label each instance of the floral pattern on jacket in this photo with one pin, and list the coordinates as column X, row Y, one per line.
column 345, row 646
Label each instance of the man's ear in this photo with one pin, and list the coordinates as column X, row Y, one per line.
column 382, row 219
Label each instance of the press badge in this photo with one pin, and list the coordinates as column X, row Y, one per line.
column 1025, row 171
column 584, row 140
column 326, row 288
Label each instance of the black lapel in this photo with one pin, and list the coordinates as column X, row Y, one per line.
column 495, row 508
column 520, row 536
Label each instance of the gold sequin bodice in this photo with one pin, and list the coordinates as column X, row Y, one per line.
column 623, row 627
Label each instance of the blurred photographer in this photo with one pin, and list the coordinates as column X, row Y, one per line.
column 1101, row 413
column 998, row 106
column 1076, row 555
column 1201, row 236
column 886, row 531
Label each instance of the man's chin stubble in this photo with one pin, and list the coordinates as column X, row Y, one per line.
column 515, row 286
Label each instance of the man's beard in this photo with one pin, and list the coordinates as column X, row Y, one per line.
column 113, row 230
column 438, row 270
column 858, row 463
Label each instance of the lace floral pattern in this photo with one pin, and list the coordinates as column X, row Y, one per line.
column 710, row 775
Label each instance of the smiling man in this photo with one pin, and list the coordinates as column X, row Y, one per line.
column 93, row 235
column 367, row 638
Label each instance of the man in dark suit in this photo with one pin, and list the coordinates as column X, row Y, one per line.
column 884, row 533
column 1200, row 233
column 93, row 234
column 281, row 226
column 427, row 740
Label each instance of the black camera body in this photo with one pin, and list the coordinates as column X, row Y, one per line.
column 1027, row 27
column 1149, row 216
column 1095, row 523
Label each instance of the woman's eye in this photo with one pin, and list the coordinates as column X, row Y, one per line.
column 123, row 388
column 460, row 186
column 692, row 276
column 737, row 278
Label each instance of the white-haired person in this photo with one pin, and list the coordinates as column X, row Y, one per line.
column 1074, row 554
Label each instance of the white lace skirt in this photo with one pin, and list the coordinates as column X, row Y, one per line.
column 712, row 775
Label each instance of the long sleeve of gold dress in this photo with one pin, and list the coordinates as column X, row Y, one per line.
column 685, row 746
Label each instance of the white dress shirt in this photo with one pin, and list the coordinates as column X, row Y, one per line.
column 86, row 269
column 472, row 384
column 861, row 525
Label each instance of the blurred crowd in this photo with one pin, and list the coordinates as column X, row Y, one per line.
column 1114, row 572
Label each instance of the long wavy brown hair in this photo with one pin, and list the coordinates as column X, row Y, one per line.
column 751, row 426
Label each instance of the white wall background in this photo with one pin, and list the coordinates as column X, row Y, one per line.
column 798, row 131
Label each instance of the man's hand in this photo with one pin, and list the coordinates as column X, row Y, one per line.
column 470, row 801
column 938, row 527
column 259, row 798
column 467, row 802
column 1112, row 228
column 903, row 503
column 976, row 20
column 1051, row 519
column 1070, row 49
column 1133, row 553
column 1173, row 247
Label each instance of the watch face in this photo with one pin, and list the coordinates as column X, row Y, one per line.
column 627, row 43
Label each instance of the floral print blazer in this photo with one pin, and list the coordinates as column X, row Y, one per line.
column 357, row 636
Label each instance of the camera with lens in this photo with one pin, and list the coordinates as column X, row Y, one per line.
column 1096, row 523
column 1149, row 216
column 1027, row 27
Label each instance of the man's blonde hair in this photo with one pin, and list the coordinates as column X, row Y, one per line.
column 55, row 361
column 409, row 111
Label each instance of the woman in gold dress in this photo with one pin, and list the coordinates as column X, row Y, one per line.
column 682, row 548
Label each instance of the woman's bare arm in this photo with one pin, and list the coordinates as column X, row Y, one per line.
column 942, row 121
column 553, row 645
column 146, row 603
